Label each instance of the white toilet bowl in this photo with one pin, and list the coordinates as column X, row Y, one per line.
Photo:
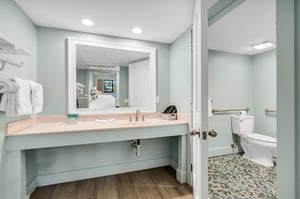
column 258, row 148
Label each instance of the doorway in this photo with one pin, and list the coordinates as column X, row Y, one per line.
column 242, row 80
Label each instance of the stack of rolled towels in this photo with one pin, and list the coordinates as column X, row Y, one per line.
column 21, row 97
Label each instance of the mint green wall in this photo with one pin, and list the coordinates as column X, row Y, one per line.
column 52, row 61
column 52, row 72
column 288, row 99
column 297, row 61
column 234, row 81
column 17, row 28
column 264, row 91
column 229, row 86
column 181, row 66
column 241, row 81
column 123, row 86
column 181, row 78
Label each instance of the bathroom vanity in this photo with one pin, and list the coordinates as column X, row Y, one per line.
column 54, row 131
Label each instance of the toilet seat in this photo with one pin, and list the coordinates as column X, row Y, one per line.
column 260, row 137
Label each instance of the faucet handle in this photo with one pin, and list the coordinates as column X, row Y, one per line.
column 137, row 115
column 130, row 118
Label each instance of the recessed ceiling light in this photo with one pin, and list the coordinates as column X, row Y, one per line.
column 87, row 22
column 263, row 45
column 137, row 30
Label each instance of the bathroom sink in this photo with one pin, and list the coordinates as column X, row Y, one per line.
column 136, row 123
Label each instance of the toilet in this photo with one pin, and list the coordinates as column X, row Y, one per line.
column 257, row 147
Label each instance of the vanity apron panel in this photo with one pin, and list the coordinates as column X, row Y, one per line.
column 57, row 139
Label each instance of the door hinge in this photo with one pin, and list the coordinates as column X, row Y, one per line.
column 191, row 167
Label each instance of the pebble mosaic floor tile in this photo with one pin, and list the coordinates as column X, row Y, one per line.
column 235, row 177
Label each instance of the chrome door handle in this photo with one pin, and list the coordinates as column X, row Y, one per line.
column 212, row 133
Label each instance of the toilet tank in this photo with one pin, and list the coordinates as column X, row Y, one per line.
column 242, row 124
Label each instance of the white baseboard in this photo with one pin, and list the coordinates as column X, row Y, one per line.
column 173, row 163
column 181, row 176
column 220, row 151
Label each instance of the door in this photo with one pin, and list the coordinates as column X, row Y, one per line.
column 100, row 86
column 139, row 84
column 199, row 120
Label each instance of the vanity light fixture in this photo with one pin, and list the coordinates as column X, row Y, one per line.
column 263, row 45
column 87, row 22
column 137, row 30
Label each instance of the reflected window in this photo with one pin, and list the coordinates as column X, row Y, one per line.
column 109, row 86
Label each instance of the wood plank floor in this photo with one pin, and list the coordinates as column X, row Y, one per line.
column 158, row 183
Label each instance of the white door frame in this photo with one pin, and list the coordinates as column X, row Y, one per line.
column 199, row 121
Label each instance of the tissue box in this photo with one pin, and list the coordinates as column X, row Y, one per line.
column 168, row 116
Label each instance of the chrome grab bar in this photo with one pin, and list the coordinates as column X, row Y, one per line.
column 270, row 111
column 230, row 110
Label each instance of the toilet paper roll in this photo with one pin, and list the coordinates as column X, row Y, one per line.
column 241, row 113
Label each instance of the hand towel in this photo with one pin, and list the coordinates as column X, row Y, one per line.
column 19, row 103
column 3, row 103
column 37, row 97
column 11, row 105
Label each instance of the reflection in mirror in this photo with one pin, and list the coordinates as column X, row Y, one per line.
column 110, row 78
column 102, row 77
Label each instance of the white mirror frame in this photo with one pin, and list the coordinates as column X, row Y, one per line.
column 72, row 42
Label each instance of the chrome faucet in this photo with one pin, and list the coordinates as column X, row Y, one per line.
column 137, row 115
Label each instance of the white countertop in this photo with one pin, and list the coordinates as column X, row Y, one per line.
column 59, row 124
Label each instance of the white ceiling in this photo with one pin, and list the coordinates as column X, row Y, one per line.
column 89, row 55
column 162, row 20
column 250, row 23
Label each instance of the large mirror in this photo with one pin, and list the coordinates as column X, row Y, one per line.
column 107, row 77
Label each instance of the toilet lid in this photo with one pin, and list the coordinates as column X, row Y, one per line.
column 261, row 137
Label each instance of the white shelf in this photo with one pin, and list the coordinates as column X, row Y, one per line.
column 8, row 48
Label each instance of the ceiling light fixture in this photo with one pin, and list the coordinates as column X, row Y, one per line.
column 87, row 22
column 137, row 30
column 263, row 45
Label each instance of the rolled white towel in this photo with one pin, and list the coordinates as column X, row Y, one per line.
column 11, row 109
column 8, row 86
column 37, row 97
column 19, row 103
column 3, row 103
column 79, row 85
